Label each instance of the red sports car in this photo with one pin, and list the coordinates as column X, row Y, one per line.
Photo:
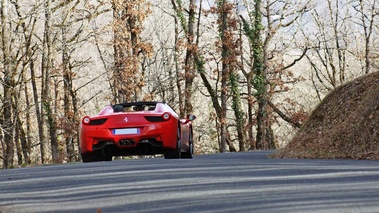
column 139, row 128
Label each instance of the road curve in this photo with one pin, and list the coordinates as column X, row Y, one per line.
column 228, row 182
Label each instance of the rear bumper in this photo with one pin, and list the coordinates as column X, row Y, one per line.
column 153, row 141
column 144, row 147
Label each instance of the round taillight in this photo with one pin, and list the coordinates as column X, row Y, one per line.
column 86, row 120
column 166, row 116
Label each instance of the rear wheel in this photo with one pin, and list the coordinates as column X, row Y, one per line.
column 189, row 152
column 174, row 153
column 107, row 158
column 95, row 157
column 89, row 157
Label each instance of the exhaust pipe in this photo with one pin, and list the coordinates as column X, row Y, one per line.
column 126, row 142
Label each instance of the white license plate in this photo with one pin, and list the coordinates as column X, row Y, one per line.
column 127, row 131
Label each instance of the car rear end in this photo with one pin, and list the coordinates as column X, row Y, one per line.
column 128, row 133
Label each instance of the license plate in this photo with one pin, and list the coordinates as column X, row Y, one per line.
column 126, row 131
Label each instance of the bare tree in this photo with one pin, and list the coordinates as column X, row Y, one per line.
column 229, row 46
column 8, row 84
column 335, row 45
column 27, row 26
column 330, row 48
column 15, row 63
column 188, row 61
column 75, row 19
column 188, row 27
column 259, row 81
column 164, row 70
column 368, row 12
column 128, row 77
column 264, row 64
column 200, row 61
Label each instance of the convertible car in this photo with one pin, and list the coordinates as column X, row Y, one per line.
column 138, row 128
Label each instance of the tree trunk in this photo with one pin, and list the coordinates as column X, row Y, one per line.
column 20, row 139
column 39, row 114
column 67, row 86
column 7, row 124
column 260, row 78
column 189, row 62
column 25, row 135
column 28, row 137
column 128, row 77
column 238, row 113
column 18, row 146
column 52, row 132
column 24, row 141
column 199, row 62
column 45, row 97
column 252, row 142
column 223, row 29
column 177, row 69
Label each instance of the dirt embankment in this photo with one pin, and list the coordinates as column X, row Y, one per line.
column 344, row 125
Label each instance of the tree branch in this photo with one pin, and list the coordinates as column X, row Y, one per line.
column 284, row 116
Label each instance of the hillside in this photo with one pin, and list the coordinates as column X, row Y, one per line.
column 344, row 125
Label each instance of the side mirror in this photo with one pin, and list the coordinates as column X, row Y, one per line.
column 191, row 117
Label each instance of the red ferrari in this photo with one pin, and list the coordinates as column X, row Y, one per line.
column 139, row 128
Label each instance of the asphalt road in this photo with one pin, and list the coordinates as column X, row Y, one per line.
column 229, row 182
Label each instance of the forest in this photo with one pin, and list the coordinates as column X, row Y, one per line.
column 250, row 70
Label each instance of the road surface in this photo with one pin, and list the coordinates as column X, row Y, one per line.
column 228, row 182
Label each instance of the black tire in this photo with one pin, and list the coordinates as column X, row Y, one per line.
column 107, row 158
column 90, row 157
column 95, row 157
column 174, row 153
column 189, row 153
